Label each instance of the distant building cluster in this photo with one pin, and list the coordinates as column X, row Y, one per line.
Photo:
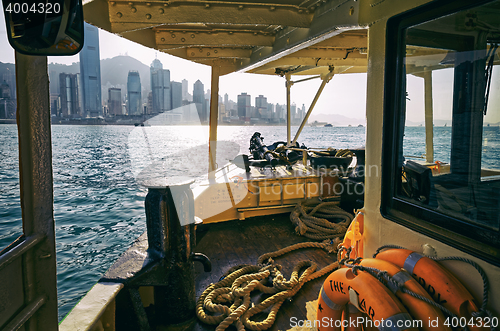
column 78, row 96
column 8, row 102
column 262, row 112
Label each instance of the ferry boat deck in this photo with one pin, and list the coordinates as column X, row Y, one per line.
column 227, row 244
column 242, row 242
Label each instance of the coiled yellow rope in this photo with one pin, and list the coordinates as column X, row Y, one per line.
column 319, row 228
column 230, row 297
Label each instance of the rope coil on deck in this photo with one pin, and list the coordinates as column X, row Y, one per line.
column 312, row 221
column 235, row 287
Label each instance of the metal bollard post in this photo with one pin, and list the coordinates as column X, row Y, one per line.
column 171, row 236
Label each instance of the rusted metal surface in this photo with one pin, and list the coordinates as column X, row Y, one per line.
column 11, row 289
column 241, row 242
column 252, row 36
column 29, row 295
column 163, row 258
column 18, row 248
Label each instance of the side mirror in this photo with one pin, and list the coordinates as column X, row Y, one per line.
column 44, row 27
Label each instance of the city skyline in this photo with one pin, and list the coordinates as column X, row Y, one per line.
column 164, row 96
column 345, row 94
column 352, row 86
column 117, row 67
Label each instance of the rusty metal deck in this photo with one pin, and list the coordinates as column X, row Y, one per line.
column 241, row 242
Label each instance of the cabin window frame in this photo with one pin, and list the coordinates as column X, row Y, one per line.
column 470, row 238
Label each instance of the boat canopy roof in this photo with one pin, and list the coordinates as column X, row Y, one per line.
column 304, row 37
column 300, row 37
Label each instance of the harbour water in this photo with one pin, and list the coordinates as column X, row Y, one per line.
column 99, row 206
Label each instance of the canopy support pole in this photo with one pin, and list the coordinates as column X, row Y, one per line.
column 213, row 122
column 288, row 85
column 325, row 79
column 429, row 130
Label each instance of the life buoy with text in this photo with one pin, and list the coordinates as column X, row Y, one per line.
column 418, row 309
column 364, row 291
column 441, row 285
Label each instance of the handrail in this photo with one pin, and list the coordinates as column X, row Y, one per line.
column 28, row 243
column 25, row 314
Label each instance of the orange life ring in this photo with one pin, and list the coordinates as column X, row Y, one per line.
column 418, row 309
column 442, row 286
column 373, row 298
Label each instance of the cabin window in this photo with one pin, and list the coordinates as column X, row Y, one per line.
column 442, row 129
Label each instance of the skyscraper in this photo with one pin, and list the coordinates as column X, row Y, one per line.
column 6, row 101
column 149, row 105
column 226, row 101
column 176, row 89
column 302, row 113
column 270, row 111
column 261, row 107
column 184, row 89
column 199, row 99
column 160, row 86
column 9, row 77
column 293, row 113
column 69, row 92
column 114, row 101
column 54, row 82
column 134, row 100
column 244, row 106
column 280, row 112
column 198, row 92
column 90, row 73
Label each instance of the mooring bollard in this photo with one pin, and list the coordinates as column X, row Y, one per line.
column 170, row 223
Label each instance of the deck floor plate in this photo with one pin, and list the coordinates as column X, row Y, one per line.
column 241, row 242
